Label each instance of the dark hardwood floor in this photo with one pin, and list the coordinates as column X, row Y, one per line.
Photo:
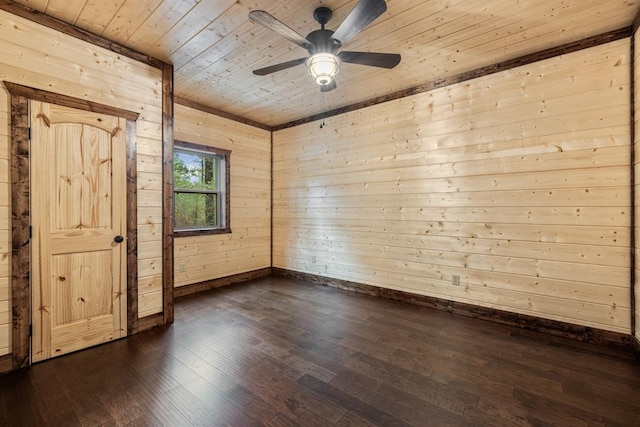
column 277, row 352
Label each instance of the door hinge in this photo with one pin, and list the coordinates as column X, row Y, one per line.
column 30, row 330
column 30, row 232
column 29, row 132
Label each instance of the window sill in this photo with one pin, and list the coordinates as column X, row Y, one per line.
column 201, row 232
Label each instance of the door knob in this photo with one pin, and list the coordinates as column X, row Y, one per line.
column 118, row 239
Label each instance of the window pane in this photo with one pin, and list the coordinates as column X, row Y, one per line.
column 196, row 210
column 200, row 188
column 194, row 171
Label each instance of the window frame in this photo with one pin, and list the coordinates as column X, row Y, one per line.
column 225, row 204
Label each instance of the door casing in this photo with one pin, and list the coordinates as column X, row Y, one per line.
column 20, row 214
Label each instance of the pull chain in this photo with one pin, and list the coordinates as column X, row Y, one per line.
column 322, row 123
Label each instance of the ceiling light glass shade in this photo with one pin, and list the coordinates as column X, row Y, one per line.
column 323, row 67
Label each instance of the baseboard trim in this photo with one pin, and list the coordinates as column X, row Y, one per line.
column 635, row 345
column 6, row 363
column 146, row 323
column 184, row 291
column 531, row 323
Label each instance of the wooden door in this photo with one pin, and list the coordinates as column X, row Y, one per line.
column 78, row 216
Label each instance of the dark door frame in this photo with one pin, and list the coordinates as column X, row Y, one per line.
column 20, row 210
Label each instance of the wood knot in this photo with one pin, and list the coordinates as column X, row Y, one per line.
column 45, row 119
column 62, row 278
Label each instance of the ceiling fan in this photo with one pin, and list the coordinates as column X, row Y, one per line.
column 323, row 62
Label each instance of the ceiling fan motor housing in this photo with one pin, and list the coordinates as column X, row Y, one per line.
column 322, row 42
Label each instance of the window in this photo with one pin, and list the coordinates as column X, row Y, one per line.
column 200, row 189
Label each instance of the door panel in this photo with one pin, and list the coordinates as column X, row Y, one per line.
column 80, row 292
column 78, row 206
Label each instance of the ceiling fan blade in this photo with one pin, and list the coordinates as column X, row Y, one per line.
column 373, row 59
column 365, row 12
column 263, row 18
column 278, row 67
column 329, row 87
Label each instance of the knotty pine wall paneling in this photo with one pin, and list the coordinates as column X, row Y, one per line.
column 40, row 57
column 518, row 182
column 248, row 247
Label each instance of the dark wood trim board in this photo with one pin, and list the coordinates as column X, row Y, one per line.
column 183, row 291
column 148, row 322
column 167, row 193
column 636, row 347
column 20, row 222
column 220, row 113
column 632, row 173
column 71, row 30
column 20, row 208
column 6, row 363
column 132, row 228
column 551, row 327
column 271, row 163
column 68, row 101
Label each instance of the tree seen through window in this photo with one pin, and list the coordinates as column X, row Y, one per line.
column 199, row 187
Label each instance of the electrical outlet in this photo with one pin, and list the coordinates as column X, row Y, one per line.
column 314, row 259
column 182, row 267
column 455, row 280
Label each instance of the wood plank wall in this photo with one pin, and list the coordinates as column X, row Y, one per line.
column 518, row 182
column 36, row 56
column 248, row 247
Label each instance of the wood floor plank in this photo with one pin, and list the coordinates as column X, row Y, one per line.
column 508, row 374
column 194, row 410
column 281, row 420
column 352, row 420
column 558, row 412
column 282, row 353
column 583, row 406
column 269, row 382
column 426, row 388
column 158, row 411
column 353, row 404
column 503, row 412
column 23, row 415
column 52, row 402
column 244, row 406
column 296, row 365
column 121, row 405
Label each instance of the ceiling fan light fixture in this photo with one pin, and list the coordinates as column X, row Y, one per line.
column 323, row 67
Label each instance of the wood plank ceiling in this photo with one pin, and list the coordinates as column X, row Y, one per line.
column 214, row 47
